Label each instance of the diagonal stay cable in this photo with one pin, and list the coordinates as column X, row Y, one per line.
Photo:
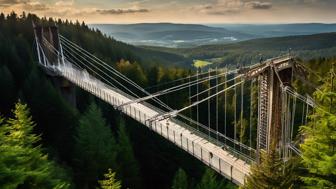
column 223, row 83
column 180, row 79
column 73, row 62
column 100, row 62
column 66, row 50
column 54, row 50
column 119, row 74
column 173, row 113
column 111, row 69
column 171, row 90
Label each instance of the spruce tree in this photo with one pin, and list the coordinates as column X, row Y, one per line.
column 271, row 172
column 209, row 181
column 109, row 181
column 319, row 147
column 95, row 148
column 22, row 162
column 180, row 180
column 128, row 168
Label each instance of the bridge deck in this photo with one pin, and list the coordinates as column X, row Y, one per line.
column 200, row 147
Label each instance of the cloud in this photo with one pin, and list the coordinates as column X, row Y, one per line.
column 35, row 6
column 28, row 5
column 230, row 7
column 120, row 11
column 65, row 3
column 7, row 3
column 259, row 5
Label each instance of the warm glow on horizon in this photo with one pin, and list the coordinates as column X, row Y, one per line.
column 183, row 11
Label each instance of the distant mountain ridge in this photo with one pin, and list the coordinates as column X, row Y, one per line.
column 302, row 46
column 193, row 35
column 279, row 30
column 171, row 35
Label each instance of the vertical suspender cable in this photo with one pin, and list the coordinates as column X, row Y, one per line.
column 283, row 122
column 235, row 116
column 293, row 121
column 225, row 105
column 197, row 99
column 241, row 113
column 209, row 110
column 217, row 104
column 258, row 121
column 288, row 123
column 251, row 115
column 190, row 98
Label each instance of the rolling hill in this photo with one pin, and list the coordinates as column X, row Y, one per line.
column 171, row 35
column 279, row 30
column 245, row 52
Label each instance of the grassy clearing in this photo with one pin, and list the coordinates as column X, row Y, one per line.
column 201, row 63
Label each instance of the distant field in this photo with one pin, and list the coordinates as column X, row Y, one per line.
column 201, row 63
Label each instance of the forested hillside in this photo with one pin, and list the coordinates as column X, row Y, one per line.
column 304, row 46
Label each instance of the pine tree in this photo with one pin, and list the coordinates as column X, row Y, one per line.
column 180, row 180
column 22, row 162
column 319, row 147
column 128, row 167
column 271, row 172
column 95, row 148
column 109, row 181
column 210, row 181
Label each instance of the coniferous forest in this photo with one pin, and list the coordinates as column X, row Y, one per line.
column 47, row 143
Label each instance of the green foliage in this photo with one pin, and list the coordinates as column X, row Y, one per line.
column 22, row 162
column 127, row 164
column 319, row 147
column 180, row 180
column 210, row 181
column 132, row 71
column 109, row 181
column 271, row 172
column 242, row 128
column 95, row 147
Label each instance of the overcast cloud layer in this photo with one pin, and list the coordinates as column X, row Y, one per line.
column 183, row 11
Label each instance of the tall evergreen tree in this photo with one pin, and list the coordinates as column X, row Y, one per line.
column 180, row 180
column 319, row 147
column 128, row 168
column 109, row 181
column 210, row 181
column 95, row 148
column 271, row 172
column 22, row 162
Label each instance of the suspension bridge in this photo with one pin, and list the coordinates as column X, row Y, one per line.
column 248, row 110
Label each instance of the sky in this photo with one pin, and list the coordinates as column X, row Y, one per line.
column 179, row 11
